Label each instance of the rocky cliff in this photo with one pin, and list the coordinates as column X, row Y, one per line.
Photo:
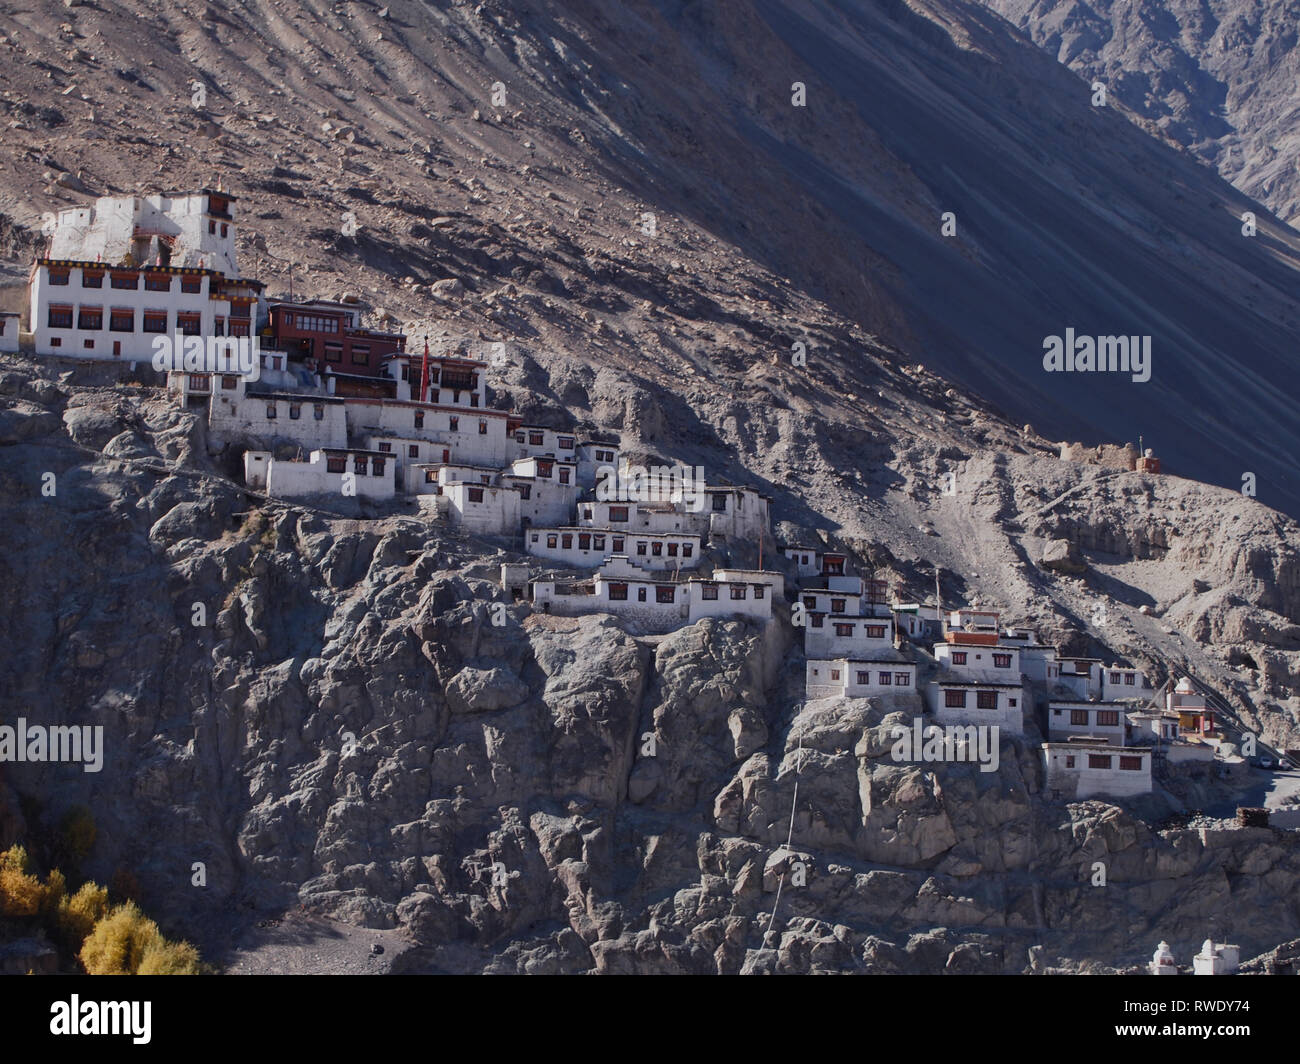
column 349, row 734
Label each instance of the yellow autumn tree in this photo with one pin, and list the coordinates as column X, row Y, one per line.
column 21, row 894
column 126, row 942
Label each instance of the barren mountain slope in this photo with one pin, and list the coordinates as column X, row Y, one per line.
column 1217, row 77
column 767, row 216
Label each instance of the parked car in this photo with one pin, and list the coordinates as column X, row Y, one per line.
column 1264, row 761
column 1285, row 765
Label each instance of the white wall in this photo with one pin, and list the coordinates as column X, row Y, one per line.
column 235, row 416
column 775, row 581
column 9, row 324
column 256, row 466
column 822, row 681
column 388, row 417
column 548, row 503
column 1040, row 665
column 1059, row 715
column 1085, row 684
column 646, row 612
column 590, row 459
column 807, row 562
column 105, row 230
column 496, row 513
column 293, row 480
column 1008, row 714
column 134, row 346
column 979, row 661
column 823, row 641
column 816, row 600
column 744, row 514
column 755, row 601
column 537, row 543
column 1082, row 781
column 642, row 517
column 1120, row 682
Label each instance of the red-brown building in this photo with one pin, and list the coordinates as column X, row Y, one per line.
column 328, row 336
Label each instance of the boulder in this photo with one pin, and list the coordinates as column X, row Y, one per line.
column 474, row 690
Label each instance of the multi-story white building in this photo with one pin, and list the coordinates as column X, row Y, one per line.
column 832, row 636
column 622, row 589
column 126, row 270
column 978, row 702
column 536, row 468
column 978, row 661
column 806, row 560
column 1121, row 682
column 586, row 547
column 634, row 516
column 1082, row 676
column 191, row 230
column 859, row 677
column 1037, row 660
column 1097, row 720
column 472, row 437
column 733, row 513
column 1086, row 768
column 594, row 455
